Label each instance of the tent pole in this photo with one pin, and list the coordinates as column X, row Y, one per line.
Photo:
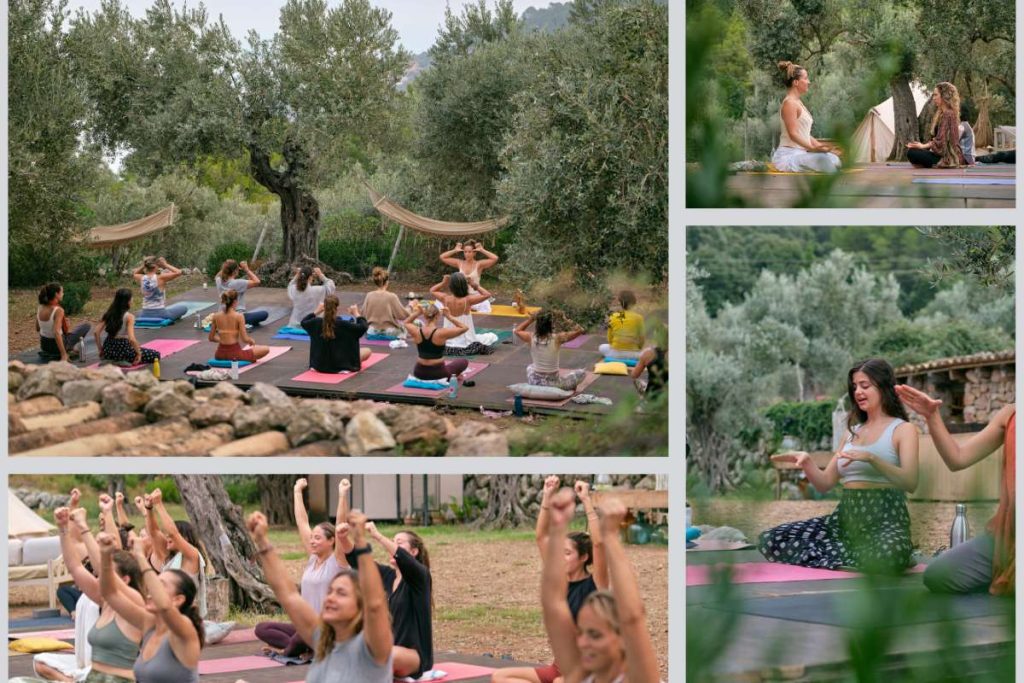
column 394, row 250
column 259, row 242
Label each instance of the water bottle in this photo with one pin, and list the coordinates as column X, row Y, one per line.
column 961, row 530
column 513, row 337
column 234, row 369
column 156, row 368
column 517, row 406
column 198, row 323
column 453, row 387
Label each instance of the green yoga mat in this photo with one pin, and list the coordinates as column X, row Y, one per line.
column 502, row 334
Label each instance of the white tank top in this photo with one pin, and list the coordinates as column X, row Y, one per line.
column 46, row 326
column 882, row 448
column 545, row 355
column 803, row 126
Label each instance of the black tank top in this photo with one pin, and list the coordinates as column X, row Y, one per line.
column 427, row 349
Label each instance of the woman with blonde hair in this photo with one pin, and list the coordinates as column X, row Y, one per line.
column 944, row 150
column 383, row 310
column 153, row 276
column 351, row 636
column 334, row 341
column 228, row 279
column 430, row 340
column 625, row 330
column 798, row 150
column 228, row 328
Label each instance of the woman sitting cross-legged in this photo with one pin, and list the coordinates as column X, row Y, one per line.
column 307, row 297
column 56, row 338
column 228, row 328
column 944, row 150
column 625, row 330
column 334, row 341
column 430, row 342
column 458, row 302
column 545, row 345
column 228, row 279
column 351, row 636
column 384, row 311
column 119, row 324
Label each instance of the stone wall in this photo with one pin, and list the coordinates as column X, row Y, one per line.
column 970, row 396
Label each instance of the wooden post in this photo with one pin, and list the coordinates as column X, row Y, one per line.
column 259, row 242
column 394, row 250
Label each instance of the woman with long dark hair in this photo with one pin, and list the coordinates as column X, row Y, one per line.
column 228, row 328
column 877, row 466
column 228, row 280
column 472, row 267
column 351, row 636
column 119, row 324
column 458, row 302
column 305, row 295
column 545, row 345
column 943, row 150
column 179, row 543
column 333, row 340
column 55, row 334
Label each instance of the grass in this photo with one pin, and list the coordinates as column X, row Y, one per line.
column 509, row 620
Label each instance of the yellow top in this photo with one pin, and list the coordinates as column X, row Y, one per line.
column 626, row 331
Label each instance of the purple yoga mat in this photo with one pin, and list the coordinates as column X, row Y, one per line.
column 771, row 572
column 577, row 342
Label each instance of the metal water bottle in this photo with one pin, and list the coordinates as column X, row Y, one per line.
column 517, row 406
column 961, row 530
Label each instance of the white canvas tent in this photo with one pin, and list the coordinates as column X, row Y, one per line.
column 22, row 522
column 872, row 141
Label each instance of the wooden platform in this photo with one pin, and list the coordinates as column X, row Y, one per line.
column 507, row 365
column 21, row 665
column 761, row 648
column 881, row 186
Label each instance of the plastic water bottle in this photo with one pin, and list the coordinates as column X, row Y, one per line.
column 234, row 369
column 198, row 323
column 156, row 368
column 453, row 387
column 961, row 530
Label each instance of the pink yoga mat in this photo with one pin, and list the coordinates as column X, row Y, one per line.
column 577, row 342
column 459, row 672
column 166, row 347
column 472, row 369
column 336, row 377
column 227, row 665
column 240, row 635
column 275, row 351
column 58, row 634
column 771, row 572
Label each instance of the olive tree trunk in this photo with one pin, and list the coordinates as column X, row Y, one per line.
column 904, row 117
column 504, row 504
column 300, row 212
column 276, row 499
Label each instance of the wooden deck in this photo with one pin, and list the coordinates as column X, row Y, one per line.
column 881, row 186
column 507, row 365
column 762, row 648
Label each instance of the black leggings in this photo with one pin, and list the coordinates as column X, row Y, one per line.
column 1008, row 157
column 442, row 371
column 923, row 157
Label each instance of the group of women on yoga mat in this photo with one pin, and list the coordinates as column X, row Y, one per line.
column 877, row 465
column 799, row 151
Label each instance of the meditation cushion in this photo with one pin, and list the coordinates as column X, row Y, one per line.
column 39, row 644
column 153, row 322
column 611, row 368
column 213, row 362
column 381, row 337
column 631, row 362
column 293, row 330
column 538, row 392
column 415, row 383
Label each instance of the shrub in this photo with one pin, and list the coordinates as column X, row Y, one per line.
column 76, row 295
column 240, row 251
column 809, row 421
column 167, row 487
column 243, row 490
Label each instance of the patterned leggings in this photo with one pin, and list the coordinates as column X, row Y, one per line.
column 568, row 381
column 868, row 530
column 121, row 349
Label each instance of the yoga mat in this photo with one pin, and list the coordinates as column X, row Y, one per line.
column 474, row 368
column 336, row 377
column 577, row 342
column 166, row 347
column 711, row 544
column 239, row 635
column 293, row 337
column 227, row 665
column 829, row 608
column 841, row 172
column 151, row 323
column 964, row 180
column 275, row 351
column 275, row 313
column 460, row 672
column 194, row 306
column 589, row 379
column 58, row 634
column 510, row 311
column 48, row 622
column 378, row 342
column 501, row 334
column 771, row 572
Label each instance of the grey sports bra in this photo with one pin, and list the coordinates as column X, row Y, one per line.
column 882, row 448
column 112, row 647
column 162, row 667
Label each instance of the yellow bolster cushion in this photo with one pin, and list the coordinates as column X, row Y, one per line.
column 39, row 644
column 611, row 368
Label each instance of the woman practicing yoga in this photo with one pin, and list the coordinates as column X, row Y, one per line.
column 943, row 151
column 608, row 639
column 798, row 150
column 119, row 324
column 228, row 328
column 325, row 561
column 383, row 310
column 169, row 621
column 581, row 552
column 545, row 345
column 113, row 642
column 333, row 341
column 55, row 333
column 471, row 267
column 625, row 330
column 153, row 276
column 175, row 544
column 653, row 359
column 877, row 464
column 458, row 303
column 351, row 636
column 430, row 343
column 306, row 297
column 407, row 581
column 987, row 561
column 228, row 279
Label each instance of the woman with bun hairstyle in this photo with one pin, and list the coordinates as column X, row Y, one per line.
column 458, row 303
column 944, row 150
column 228, row 279
column 153, row 276
column 351, row 636
column 228, row 328
column 798, row 150
column 471, row 267
column 55, row 334
column 430, row 340
column 382, row 309
column 119, row 324
column 625, row 330
column 305, row 295
column 172, row 630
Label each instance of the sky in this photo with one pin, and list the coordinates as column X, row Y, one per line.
column 416, row 21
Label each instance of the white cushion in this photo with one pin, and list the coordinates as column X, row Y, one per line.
column 538, row 392
column 40, row 550
column 14, row 552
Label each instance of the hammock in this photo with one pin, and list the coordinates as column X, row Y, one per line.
column 113, row 235
column 414, row 221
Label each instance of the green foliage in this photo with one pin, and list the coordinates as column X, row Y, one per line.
column 468, row 510
column 809, row 421
column 239, row 251
column 167, row 487
column 904, row 342
column 477, row 26
column 76, row 295
column 243, row 490
column 987, row 254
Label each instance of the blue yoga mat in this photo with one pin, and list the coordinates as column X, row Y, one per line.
column 295, row 337
column 153, row 322
column 38, row 624
column 214, row 363
column 963, row 180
